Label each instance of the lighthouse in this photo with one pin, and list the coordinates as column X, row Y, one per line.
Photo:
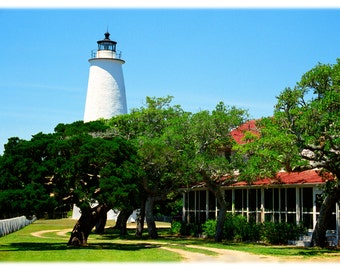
column 106, row 89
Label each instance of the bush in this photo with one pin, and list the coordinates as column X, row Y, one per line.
column 185, row 229
column 229, row 227
column 237, row 228
column 241, row 228
column 280, row 233
column 175, row 227
column 209, row 228
column 190, row 229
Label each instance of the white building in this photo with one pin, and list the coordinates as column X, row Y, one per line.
column 106, row 89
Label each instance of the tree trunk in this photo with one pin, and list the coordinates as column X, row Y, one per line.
column 215, row 188
column 88, row 219
column 319, row 233
column 152, row 230
column 140, row 220
column 221, row 216
column 122, row 220
column 102, row 218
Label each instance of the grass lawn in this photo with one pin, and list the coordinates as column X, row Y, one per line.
column 22, row 246
column 46, row 241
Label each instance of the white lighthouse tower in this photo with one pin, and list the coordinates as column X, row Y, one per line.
column 106, row 89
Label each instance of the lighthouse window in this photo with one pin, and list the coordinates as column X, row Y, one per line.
column 106, row 46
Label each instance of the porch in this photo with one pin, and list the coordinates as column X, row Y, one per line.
column 287, row 201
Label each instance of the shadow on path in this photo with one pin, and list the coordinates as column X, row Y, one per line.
column 24, row 246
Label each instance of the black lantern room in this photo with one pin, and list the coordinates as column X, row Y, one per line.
column 107, row 44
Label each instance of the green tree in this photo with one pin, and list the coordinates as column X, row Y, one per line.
column 106, row 171
column 303, row 134
column 147, row 128
column 24, row 174
column 95, row 166
column 79, row 163
column 211, row 157
column 178, row 147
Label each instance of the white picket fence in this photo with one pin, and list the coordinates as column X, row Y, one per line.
column 14, row 224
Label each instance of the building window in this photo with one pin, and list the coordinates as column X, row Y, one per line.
column 291, row 200
column 238, row 201
column 229, row 200
column 268, row 199
column 306, row 204
column 191, row 200
column 276, row 199
column 252, row 200
column 201, row 200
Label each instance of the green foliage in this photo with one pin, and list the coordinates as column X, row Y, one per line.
column 190, row 229
column 76, row 164
column 79, row 127
column 175, row 227
column 304, row 132
column 280, row 233
column 209, row 228
column 238, row 229
column 161, row 155
column 241, row 230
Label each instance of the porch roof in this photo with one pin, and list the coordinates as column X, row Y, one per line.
column 239, row 132
column 311, row 177
column 289, row 178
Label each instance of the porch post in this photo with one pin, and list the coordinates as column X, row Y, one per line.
column 207, row 205
column 183, row 207
column 233, row 201
column 314, row 207
column 279, row 191
column 337, row 221
column 247, row 213
column 262, row 204
column 195, row 206
column 297, row 205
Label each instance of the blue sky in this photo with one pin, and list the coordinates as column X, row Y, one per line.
column 243, row 57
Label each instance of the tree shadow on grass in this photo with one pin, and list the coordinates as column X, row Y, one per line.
column 163, row 235
column 25, row 246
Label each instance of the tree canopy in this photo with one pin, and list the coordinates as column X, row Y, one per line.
column 304, row 133
column 50, row 172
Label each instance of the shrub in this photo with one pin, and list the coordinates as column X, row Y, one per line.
column 280, row 233
column 209, row 228
column 241, row 228
column 175, row 227
column 190, row 229
column 237, row 228
column 229, row 233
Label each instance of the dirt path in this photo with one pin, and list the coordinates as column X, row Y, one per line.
column 188, row 256
column 223, row 255
column 40, row 234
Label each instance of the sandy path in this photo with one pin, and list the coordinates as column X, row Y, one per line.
column 40, row 234
column 188, row 256
column 64, row 232
column 223, row 255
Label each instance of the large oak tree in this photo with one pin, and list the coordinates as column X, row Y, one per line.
column 147, row 128
column 304, row 133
